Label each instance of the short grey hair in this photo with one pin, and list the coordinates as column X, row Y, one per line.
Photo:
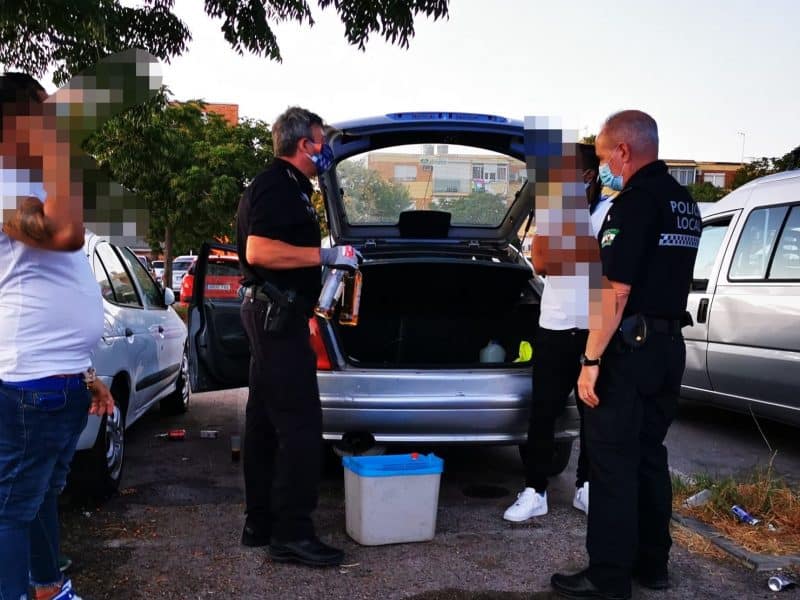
column 292, row 126
column 632, row 127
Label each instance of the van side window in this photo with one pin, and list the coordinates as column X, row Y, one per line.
column 707, row 251
column 756, row 243
column 786, row 264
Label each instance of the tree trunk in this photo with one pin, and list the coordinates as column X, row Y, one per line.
column 167, row 279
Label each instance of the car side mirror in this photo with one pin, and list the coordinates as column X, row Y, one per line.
column 169, row 297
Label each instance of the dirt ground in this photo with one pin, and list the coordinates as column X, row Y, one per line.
column 174, row 532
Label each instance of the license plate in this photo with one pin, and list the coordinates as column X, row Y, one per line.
column 219, row 287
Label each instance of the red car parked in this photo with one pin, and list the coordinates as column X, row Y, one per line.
column 222, row 279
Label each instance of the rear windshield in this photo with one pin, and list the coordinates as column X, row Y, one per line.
column 475, row 186
column 158, row 264
column 223, row 268
column 181, row 265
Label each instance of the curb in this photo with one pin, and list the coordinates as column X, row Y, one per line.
column 756, row 562
column 752, row 560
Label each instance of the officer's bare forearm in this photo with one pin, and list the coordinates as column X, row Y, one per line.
column 614, row 297
column 275, row 254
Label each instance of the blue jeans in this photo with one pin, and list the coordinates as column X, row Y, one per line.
column 40, row 423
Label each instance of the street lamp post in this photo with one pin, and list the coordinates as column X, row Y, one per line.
column 741, row 133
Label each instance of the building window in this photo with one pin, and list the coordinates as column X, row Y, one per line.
column 715, row 179
column 446, row 186
column 684, row 175
column 477, row 171
column 405, row 172
column 502, row 173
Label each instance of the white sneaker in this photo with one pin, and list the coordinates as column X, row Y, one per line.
column 581, row 501
column 529, row 504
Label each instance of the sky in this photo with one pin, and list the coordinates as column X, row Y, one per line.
column 719, row 76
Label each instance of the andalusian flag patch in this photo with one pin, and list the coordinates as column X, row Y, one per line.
column 608, row 237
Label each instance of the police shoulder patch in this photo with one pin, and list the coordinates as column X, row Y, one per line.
column 608, row 237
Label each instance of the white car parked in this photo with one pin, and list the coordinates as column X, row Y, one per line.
column 141, row 357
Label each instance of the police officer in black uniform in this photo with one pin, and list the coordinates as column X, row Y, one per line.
column 632, row 367
column 280, row 256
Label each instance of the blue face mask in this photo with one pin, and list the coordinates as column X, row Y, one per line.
column 608, row 179
column 323, row 159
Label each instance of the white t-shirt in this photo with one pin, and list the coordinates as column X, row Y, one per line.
column 51, row 311
column 565, row 298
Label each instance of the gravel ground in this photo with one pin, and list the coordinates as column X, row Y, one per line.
column 174, row 532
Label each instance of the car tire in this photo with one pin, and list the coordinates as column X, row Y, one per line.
column 178, row 401
column 97, row 472
column 561, row 456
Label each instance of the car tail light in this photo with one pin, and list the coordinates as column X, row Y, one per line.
column 318, row 345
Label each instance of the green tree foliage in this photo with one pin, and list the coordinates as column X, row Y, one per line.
column 479, row 208
column 767, row 166
column 705, row 192
column 319, row 205
column 190, row 167
column 70, row 35
column 369, row 198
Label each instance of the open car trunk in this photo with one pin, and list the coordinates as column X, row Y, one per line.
column 440, row 312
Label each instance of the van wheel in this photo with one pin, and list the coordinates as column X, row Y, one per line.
column 178, row 401
column 561, row 456
column 97, row 472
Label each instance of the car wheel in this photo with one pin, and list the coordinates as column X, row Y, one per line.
column 178, row 401
column 561, row 456
column 97, row 472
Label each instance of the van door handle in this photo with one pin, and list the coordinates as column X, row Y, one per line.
column 702, row 311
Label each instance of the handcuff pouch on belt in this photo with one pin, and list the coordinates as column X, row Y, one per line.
column 633, row 331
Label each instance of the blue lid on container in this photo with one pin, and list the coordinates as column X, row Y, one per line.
column 392, row 465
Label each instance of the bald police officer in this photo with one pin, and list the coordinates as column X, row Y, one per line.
column 632, row 366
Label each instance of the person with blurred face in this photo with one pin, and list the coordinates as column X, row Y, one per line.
column 51, row 319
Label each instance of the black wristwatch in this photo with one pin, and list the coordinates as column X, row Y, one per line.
column 588, row 362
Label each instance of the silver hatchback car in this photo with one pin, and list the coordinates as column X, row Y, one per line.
column 141, row 357
column 435, row 203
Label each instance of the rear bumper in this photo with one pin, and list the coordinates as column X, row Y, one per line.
column 479, row 406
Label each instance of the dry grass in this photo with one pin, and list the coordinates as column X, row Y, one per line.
column 696, row 543
column 765, row 496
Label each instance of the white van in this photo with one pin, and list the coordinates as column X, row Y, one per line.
column 743, row 351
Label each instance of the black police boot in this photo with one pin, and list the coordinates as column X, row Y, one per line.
column 580, row 586
column 652, row 579
column 309, row 551
column 255, row 535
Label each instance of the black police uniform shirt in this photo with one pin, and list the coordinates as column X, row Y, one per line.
column 649, row 241
column 277, row 205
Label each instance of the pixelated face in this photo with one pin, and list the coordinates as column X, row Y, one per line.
column 40, row 139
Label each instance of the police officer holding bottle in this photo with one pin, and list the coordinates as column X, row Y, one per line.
column 633, row 365
column 280, row 256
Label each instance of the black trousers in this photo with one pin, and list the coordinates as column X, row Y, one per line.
column 555, row 374
column 283, row 428
column 631, row 487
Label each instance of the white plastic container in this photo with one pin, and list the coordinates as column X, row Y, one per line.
column 391, row 499
column 492, row 353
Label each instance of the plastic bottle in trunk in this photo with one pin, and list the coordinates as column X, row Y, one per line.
column 351, row 300
column 492, row 353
